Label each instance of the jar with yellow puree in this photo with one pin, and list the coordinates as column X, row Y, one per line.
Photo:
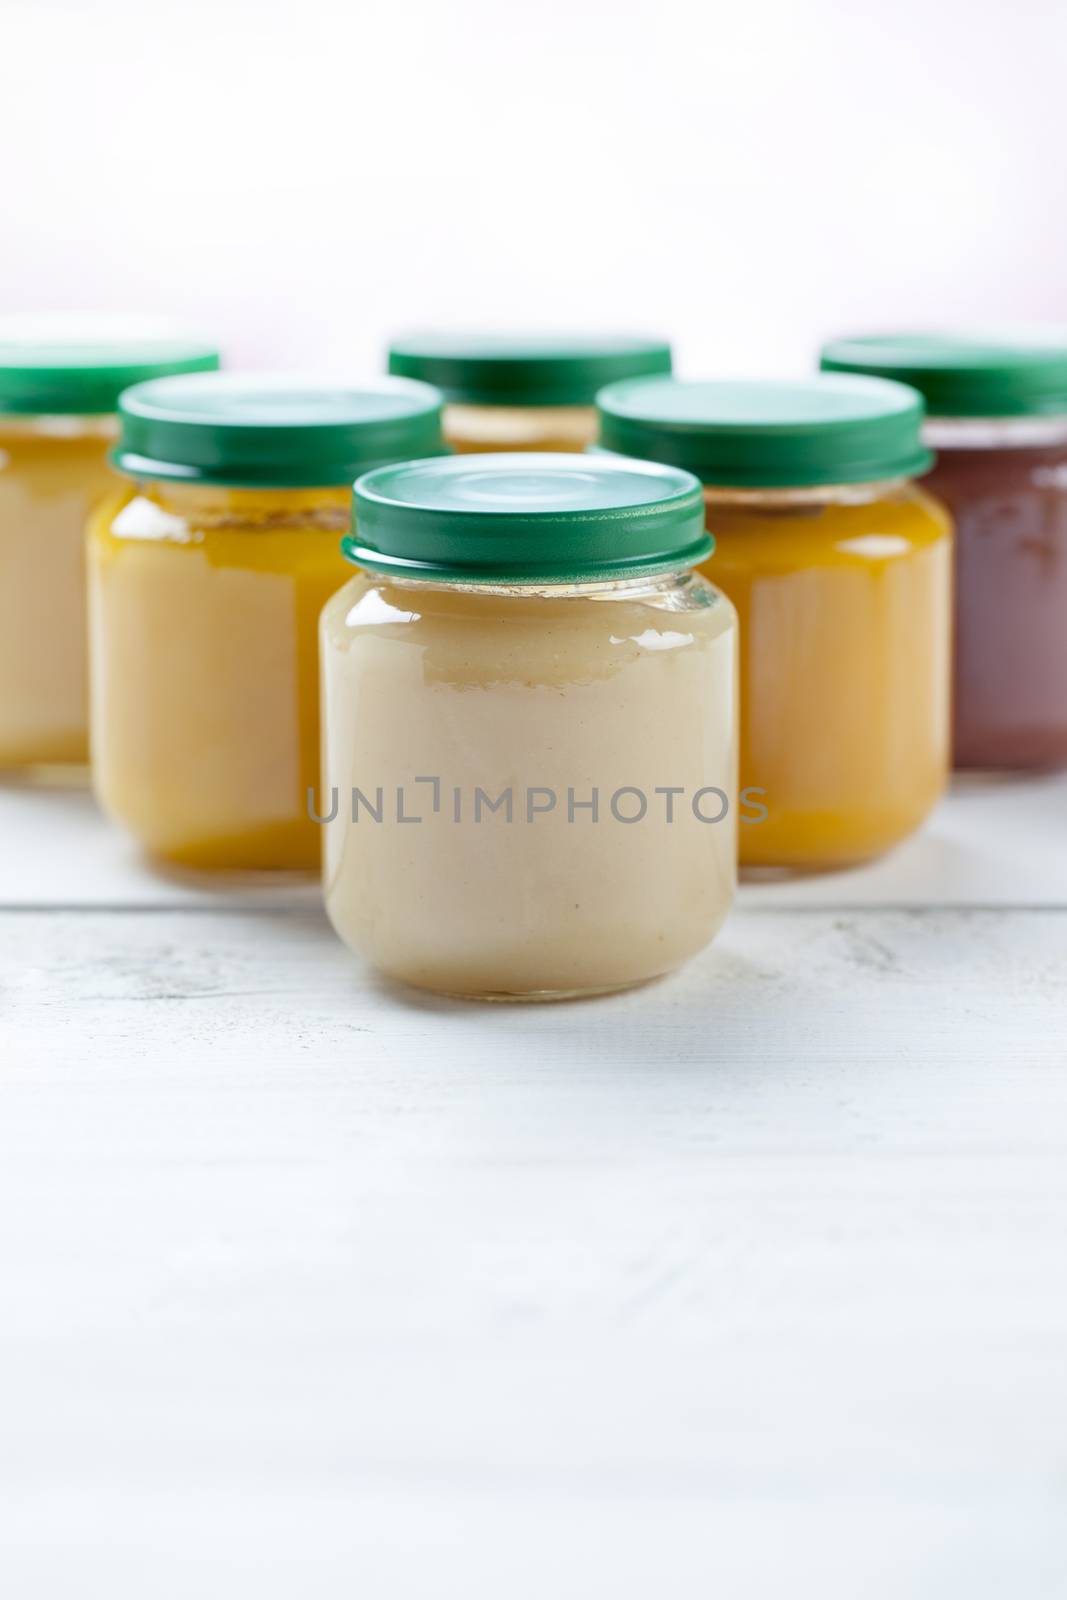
column 516, row 392
column 529, row 727
column 206, row 583
column 60, row 380
column 840, row 569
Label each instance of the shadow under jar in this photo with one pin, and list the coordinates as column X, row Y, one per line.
column 58, row 396
column 840, row 569
column 517, row 392
column 997, row 418
column 529, row 728
column 206, row 584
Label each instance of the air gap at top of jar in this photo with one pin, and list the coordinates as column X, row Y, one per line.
column 60, row 379
column 997, row 410
column 523, row 392
column 529, row 727
column 839, row 567
column 206, row 584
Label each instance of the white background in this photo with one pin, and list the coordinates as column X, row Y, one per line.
column 300, row 180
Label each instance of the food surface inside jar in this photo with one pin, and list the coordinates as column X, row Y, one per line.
column 206, row 583
column 60, row 379
column 530, row 739
column 998, row 420
column 520, row 392
column 839, row 567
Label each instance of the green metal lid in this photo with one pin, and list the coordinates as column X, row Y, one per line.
column 64, row 366
column 256, row 431
column 764, row 435
column 962, row 375
column 527, row 518
column 515, row 370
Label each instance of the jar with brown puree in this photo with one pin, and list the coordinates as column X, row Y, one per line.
column 521, row 392
column 530, row 733
column 997, row 419
column 60, row 380
column 207, row 577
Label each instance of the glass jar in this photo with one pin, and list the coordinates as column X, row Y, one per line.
column 510, row 392
column 839, row 567
column 998, row 421
column 57, row 399
column 206, row 583
column 530, row 728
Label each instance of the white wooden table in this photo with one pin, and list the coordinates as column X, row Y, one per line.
column 749, row 1284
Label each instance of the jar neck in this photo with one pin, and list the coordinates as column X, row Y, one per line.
column 552, row 412
column 831, row 494
column 31, row 425
column 994, row 433
column 219, row 504
column 623, row 588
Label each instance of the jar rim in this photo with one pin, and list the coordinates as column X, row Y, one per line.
column 985, row 375
column 527, row 517
column 86, row 377
column 273, row 430
column 508, row 369
column 763, row 434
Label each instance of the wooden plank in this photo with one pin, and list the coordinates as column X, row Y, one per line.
column 748, row 1283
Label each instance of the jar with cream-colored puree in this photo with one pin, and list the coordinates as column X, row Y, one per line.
column 530, row 727
column 523, row 392
column 60, row 379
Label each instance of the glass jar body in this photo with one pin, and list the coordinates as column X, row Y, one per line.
column 533, row 733
column 1005, row 483
column 844, row 599
column 204, row 606
column 474, row 428
column 53, row 471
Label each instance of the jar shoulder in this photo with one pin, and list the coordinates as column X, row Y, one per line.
column 812, row 532
column 46, row 464
column 221, row 520
column 973, row 473
column 933, row 510
column 369, row 606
